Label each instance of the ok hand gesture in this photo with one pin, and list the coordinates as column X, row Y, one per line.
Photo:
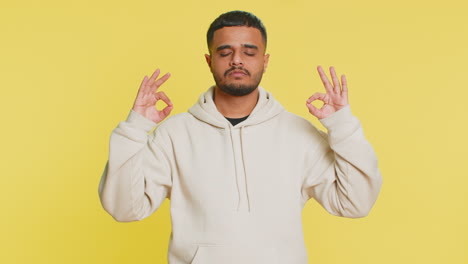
column 145, row 102
column 334, row 99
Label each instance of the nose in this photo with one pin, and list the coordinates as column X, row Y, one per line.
column 236, row 59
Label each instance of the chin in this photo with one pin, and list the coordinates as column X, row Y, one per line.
column 237, row 89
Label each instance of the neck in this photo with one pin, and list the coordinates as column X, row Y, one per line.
column 235, row 106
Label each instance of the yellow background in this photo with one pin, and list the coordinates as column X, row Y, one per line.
column 70, row 71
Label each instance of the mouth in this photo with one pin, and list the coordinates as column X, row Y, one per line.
column 237, row 73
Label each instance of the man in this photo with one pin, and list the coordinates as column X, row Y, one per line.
column 238, row 168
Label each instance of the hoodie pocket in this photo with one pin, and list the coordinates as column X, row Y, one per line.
column 216, row 254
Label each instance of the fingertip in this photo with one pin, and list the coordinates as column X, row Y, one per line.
column 145, row 80
column 320, row 70
column 167, row 110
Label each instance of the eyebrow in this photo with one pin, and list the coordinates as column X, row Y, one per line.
column 249, row 46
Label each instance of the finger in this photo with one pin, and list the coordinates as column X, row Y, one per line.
column 336, row 82
column 317, row 96
column 313, row 110
column 324, row 78
column 163, row 96
column 143, row 84
column 166, row 111
column 344, row 84
column 159, row 82
column 153, row 77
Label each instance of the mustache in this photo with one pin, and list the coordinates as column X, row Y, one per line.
column 236, row 68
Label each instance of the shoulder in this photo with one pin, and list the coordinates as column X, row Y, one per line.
column 174, row 124
column 299, row 126
column 297, row 122
column 176, row 120
column 295, row 119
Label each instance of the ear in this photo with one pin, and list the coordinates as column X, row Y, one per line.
column 208, row 60
column 266, row 58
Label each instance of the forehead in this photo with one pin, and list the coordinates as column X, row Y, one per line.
column 237, row 36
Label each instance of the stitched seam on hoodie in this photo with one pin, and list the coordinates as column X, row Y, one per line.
column 235, row 168
column 245, row 172
column 305, row 176
column 132, row 198
column 347, row 185
column 163, row 148
column 346, row 203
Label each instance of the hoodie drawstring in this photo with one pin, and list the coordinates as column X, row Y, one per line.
column 239, row 193
column 205, row 110
column 235, row 168
column 245, row 171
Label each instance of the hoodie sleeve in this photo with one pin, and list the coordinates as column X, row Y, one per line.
column 343, row 175
column 137, row 176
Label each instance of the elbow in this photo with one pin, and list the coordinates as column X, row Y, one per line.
column 355, row 212
column 365, row 203
column 123, row 219
column 114, row 204
column 119, row 212
column 361, row 205
column 120, row 215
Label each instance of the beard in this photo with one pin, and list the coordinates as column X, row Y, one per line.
column 237, row 89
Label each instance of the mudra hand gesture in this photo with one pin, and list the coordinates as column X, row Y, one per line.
column 145, row 102
column 335, row 98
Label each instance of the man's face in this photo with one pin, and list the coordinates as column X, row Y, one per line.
column 237, row 59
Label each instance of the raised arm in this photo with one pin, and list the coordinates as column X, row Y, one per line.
column 343, row 175
column 137, row 176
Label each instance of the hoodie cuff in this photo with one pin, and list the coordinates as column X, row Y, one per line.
column 340, row 124
column 139, row 121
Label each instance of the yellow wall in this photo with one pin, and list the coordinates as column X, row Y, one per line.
column 69, row 72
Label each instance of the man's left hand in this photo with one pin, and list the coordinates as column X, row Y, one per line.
column 334, row 99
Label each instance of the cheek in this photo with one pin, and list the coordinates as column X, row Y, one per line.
column 217, row 70
column 258, row 65
column 217, row 65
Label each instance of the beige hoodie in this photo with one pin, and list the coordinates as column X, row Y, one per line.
column 237, row 192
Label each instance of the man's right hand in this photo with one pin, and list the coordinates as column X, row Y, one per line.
column 145, row 102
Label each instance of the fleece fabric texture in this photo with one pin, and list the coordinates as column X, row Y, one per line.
column 237, row 192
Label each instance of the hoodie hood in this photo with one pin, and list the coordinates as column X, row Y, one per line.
column 205, row 110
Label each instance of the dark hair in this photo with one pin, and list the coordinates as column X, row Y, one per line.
column 236, row 18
